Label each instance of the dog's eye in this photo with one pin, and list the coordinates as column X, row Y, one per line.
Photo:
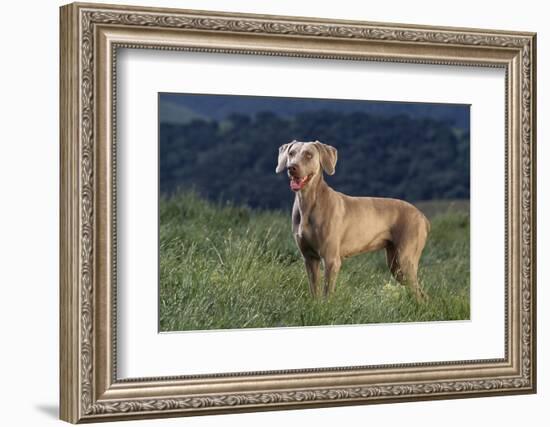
column 308, row 155
column 292, row 153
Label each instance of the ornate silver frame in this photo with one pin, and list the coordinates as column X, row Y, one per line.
column 90, row 36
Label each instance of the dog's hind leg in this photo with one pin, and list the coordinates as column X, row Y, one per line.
column 409, row 269
column 403, row 264
column 391, row 260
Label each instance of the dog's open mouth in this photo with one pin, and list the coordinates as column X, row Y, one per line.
column 297, row 183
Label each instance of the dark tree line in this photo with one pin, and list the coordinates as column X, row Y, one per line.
column 234, row 159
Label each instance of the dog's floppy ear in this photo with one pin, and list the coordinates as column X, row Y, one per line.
column 283, row 155
column 328, row 156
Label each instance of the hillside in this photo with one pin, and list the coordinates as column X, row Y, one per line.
column 225, row 266
column 234, row 159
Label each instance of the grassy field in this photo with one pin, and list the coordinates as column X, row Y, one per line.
column 225, row 267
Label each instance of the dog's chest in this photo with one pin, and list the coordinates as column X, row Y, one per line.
column 305, row 232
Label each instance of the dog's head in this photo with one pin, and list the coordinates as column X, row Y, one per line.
column 304, row 160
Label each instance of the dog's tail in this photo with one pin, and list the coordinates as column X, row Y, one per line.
column 428, row 224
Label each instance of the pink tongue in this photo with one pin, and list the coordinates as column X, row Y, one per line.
column 297, row 183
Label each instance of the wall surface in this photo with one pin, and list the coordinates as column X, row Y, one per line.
column 29, row 170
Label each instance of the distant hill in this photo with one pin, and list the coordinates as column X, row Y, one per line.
column 220, row 107
column 171, row 112
column 396, row 156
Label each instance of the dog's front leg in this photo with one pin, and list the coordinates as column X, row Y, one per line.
column 332, row 267
column 312, row 268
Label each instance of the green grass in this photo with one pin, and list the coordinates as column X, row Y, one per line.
column 226, row 267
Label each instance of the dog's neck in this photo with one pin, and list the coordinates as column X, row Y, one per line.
column 309, row 196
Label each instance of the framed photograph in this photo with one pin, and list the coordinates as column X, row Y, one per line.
column 266, row 212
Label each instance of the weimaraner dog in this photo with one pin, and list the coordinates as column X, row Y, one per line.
column 329, row 226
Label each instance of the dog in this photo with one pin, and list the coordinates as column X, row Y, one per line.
column 329, row 226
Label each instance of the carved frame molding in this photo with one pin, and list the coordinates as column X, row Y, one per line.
column 90, row 36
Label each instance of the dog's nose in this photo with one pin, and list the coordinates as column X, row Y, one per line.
column 292, row 168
